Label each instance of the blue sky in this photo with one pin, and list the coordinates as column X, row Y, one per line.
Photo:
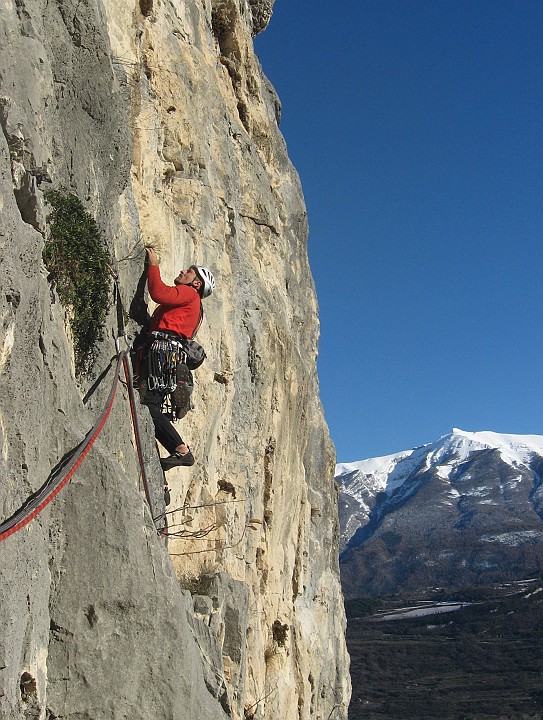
column 417, row 130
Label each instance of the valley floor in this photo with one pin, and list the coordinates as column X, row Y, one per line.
column 474, row 654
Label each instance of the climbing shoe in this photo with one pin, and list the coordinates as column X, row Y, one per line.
column 176, row 460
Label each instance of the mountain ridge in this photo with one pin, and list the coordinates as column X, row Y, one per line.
column 463, row 506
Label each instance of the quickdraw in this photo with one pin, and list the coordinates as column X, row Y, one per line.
column 164, row 356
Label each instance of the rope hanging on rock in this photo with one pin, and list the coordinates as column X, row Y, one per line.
column 63, row 472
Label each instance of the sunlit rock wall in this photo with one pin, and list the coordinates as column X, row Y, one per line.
column 158, row 117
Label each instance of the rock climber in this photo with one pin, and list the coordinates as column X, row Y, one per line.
column 178, row 316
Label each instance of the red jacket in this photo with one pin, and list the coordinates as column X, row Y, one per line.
column 179, row 308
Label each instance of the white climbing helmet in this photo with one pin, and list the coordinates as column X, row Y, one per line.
column 206, row 276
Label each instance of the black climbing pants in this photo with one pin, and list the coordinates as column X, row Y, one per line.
column 165, row 432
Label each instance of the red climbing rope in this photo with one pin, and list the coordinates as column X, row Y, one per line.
column 135, row 424
column 61, row 475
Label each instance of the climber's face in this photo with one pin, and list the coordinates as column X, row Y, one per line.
column 188, row 277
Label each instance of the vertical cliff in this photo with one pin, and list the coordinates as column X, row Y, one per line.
column 158, row 117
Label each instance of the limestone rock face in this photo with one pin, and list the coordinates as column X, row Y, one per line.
column 157, row 115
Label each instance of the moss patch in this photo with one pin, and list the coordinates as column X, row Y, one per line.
column 78, row 263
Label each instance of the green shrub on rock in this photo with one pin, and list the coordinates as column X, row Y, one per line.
column 79, row 267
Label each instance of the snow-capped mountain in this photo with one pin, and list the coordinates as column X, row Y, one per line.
column 468, row 506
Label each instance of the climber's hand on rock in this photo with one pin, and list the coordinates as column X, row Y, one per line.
column 152, row 257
